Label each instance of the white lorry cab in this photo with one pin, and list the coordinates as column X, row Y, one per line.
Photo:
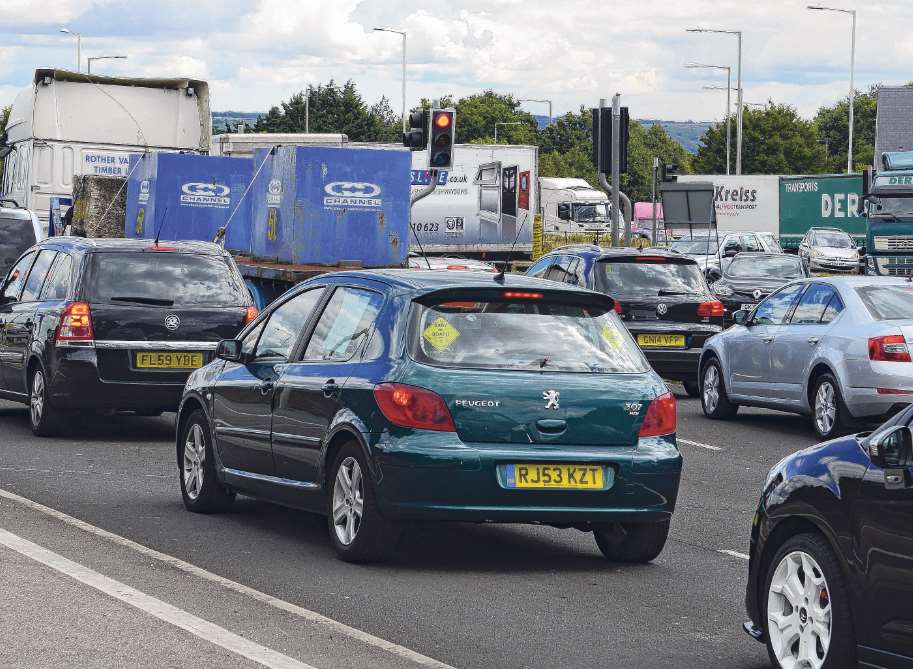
column 70, row 124
column 572, row 205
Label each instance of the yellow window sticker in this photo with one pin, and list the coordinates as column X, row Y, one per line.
column 612, row 336
column 440, row 334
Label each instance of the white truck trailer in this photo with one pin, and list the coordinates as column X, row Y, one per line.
column 572, row 205
column 68, row 124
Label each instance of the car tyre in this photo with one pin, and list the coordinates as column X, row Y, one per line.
column 201, row 488
column 358, row 530
column 714, row 398
column 693, row 388
column 830, row 417
column 632, row 542
column 45, row 419
column 790, row 596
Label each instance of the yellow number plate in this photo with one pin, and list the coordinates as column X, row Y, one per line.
column 561, row 477
column 168, row 360
column 661, row 340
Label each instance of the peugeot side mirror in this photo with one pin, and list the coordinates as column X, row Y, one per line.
column 741, row 317
column 564, row 212
column 893, row 450
column 229, row 349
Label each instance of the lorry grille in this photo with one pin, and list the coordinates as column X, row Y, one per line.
column 896, row 266
column 894, row 243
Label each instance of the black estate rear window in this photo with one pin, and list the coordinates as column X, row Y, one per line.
column 164, row 279
column 647, row 276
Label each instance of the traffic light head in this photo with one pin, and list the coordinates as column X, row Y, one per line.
column 443, row 131
column 416, row 138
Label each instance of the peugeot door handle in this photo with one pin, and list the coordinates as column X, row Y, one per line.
column 266, row 387
column 813, row 340
column 330, row 388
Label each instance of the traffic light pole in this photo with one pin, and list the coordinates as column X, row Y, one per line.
column 427, row 190
column 614, row 189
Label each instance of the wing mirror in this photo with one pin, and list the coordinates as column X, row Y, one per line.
column 230, row 349
column 564, row 212
column 732, row 251
column 741, row 317
column 893, row 452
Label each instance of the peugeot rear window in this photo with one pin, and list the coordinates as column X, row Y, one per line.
column 164, row 279
column 887, row 303
column 530, row 334
column 643, row 276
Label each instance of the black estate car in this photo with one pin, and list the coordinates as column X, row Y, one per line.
column 830, row 577
column 113, row 324
column 661, row 296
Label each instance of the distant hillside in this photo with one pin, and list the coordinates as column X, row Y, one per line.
column 686, row 133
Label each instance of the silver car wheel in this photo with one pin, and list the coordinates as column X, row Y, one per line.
column 711, row 388
column 194, row 457
column 348, row 500
column 825, row 407
column 799, row 613
column 36, row 398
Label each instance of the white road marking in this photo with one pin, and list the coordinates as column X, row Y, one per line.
column 736, row 554
column 275, row 602
column 699, row 444
column 155, row 607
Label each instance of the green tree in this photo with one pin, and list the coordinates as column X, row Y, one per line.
column 775, row 140
column 477, row 115
column 833, row 129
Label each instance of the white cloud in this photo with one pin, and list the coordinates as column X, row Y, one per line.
column 45, row 12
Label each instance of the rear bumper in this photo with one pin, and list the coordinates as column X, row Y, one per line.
column 437, row 477
column 868, row 403
column 675, row 364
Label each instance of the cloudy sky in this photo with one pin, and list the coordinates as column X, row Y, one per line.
column 257, row 52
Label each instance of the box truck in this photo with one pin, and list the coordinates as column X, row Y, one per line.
column 71, row 123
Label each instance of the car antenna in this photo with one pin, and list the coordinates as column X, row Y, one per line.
column 499, row 277
column 158, row 232
column 420, row 249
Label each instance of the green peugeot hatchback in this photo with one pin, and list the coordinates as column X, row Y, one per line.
column 380, row 397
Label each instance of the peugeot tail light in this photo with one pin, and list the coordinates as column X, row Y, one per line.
column 660, row 418
column 411, row 406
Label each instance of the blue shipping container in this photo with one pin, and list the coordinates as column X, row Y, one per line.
column 314, row 205
column 187, row 196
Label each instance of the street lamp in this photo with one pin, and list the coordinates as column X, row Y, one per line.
column 78, row 46
column 91, row 58
column 738, row 141
column 504, row 123
column 697, row 66
column 548, row 102
column 852, row 13
column 403, row 35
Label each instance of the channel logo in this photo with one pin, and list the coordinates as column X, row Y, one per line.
column 199, row 194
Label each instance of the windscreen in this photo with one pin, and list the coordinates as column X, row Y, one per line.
column 591, row 213
column 529, row 334
column 887, row 303
column 833, row 240
column 164, row 279
column 649, row 278
column 784, row 267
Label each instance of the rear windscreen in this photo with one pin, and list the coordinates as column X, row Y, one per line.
column 16, row 235
column 164, row 279
column 533, row 335
column 649, row 278
column 888, row 303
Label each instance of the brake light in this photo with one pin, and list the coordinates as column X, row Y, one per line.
column 711, row 308
column 617, row 308
column 411, row 406
column 162, row 248
column 651, row 259
column 891, row 348
column 893, row 391
column 250, row 315
column 457, row 267
column 514, row 295
column 75, row 323
column 660, row 418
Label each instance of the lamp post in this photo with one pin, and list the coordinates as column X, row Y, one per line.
column 738, row 141
column 78, row 46
column 403, row 35
column 548, row 102
column 504, row 123
column 91, row 58
column 694, row 66
column 852, row 13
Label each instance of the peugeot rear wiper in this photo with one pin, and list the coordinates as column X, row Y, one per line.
column 143, row 300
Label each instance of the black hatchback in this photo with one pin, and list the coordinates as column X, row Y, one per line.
column 661, row 296
column 113, row 324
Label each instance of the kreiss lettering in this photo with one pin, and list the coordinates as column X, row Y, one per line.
column 740, row 194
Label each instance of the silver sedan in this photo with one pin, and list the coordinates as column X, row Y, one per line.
column 836, row 349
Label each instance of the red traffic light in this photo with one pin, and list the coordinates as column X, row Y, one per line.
column 442, row 120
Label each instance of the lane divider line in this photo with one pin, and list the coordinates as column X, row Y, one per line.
column 699, row 444
column 735, row 554
column 155, row 607
column 275, row 602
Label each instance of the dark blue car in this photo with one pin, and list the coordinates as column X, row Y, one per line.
column 376, row 397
